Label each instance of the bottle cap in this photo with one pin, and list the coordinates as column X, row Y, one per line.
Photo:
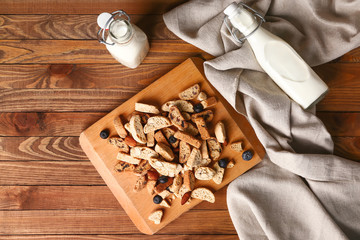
column 231, row 9
column 102, row 19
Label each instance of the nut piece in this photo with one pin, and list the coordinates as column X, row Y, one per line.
column 210, row 102
column 156, row 216
column 202, row 96
column 186, row 116
column 188, row 138
column 192, row 130
column 201, row 125
column 165, row 151
column 204, row 173
column 120, row 143
column 185, row 198
column 119, row 127
column 130, row 141
column 190, row 93
column 146, row 108
column 220, row 132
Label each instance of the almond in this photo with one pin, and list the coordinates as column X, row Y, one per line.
column 153, row 175
column 130, row 141
column 185, row 198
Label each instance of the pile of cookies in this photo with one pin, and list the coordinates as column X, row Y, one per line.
column 171, row 148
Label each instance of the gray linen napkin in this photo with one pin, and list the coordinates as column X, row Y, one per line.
column 300, row 190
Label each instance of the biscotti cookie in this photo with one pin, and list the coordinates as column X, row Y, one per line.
column 136, row 129
column 176, row 184
column 146, row 108
column 201, row 125
column 208, row 115
column 188, row 138
column 219, row 175
column 119, row 127
column 165, row 168
column 142, row 168
column 202, row 96
column 143, row 153
column 190, row 93
column 177, row 119
column 122, row 166
column 204, row 173
column 120, row 143
column 183, row 106
column 214, row 148
column 160, row 138
column 127, row 158
column 195, row 158
column 204, row 150
column 165, row 151
column 169, row 134
column 191, row 129
column 184, row 152
column 210, row 102
column 156, row 216
column 203, row 194
column 160, row 187
column 150, row 137
column 156, row 123
column 189, row 180
column 220, row 132
column 140, row 183
column 151, row 186
column 237, row 146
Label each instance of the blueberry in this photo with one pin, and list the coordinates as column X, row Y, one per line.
column 172, row 139
column 157, row 199
column 247, row 155
column 163, row 179
column 198, row 108
column 223, row 162
column 104, row 134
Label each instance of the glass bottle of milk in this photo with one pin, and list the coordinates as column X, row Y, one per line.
column 126, row 42
column 278, row 59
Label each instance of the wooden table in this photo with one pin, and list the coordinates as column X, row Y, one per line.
column 56, row 80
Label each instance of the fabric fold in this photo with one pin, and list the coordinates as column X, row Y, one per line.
column 300, row 190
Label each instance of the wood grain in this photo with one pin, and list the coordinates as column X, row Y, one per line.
column 352, row 56
column 87, row 6
column 343, row 124
column 89, row 51
column 74, row 27
column 347, row 147
column 48, row 173
column 74, row 197
column 46, row 124
column 41, row 148
column 103, row 100
column 120, row 237
column 85, row 76
column 340, row 75
column 107, row 222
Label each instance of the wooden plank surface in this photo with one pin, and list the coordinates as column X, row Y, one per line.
column 107, row 222
column 50, row 58
column 85, row 51
column 41, row 197
column 86, row 6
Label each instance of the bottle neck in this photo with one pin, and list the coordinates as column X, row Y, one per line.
column 243, row 20
column 120, row 31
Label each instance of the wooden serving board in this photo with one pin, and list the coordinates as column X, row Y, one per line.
column 139, row 205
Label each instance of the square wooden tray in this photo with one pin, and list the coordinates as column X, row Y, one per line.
column 139, row 205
